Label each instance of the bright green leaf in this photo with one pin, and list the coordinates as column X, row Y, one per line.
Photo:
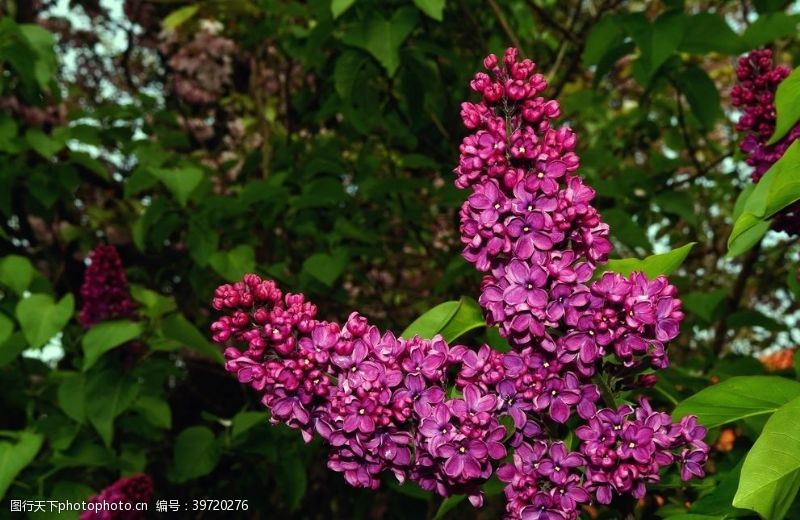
column 195, row 454
column 747, row 232
column 41, row 318
column 652, row 266
column 432, row 321
column 433, row 8
column 180, row 16
column 738, row 398
column 468, row 316
column 16, row 272
column 771, row 472
column 15, row 457
column 338, row 7
column 787, row 104
column 107, row 335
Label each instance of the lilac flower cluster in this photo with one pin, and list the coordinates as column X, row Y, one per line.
column 131, row 490
column 442, row 415
column 378, row 400
column 755, row 96
column 104, row 291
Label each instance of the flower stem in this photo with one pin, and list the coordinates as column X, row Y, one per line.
column 605, row 391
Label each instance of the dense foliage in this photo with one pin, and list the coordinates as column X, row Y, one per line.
column 153, row 151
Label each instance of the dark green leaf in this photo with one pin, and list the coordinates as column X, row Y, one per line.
column 709, row 32
column 105, row 336
column 111, row 394
column 604, row 36
column 770, row 27
column 327, row 267
column 234, row 264
column 704, row 305
column 177, row 328
column 155, row 409
column 196, row 453
column 382, row 38
column 702, row 95
column 338, row 7
column 180, row 181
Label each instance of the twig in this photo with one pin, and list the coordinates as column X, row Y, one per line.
column 505, row 25
column 732, row 304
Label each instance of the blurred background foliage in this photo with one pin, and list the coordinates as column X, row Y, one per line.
column 313, row 142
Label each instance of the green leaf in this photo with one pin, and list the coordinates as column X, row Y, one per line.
column 652, row 266
column 111, row 394
column 704, row 305
column 152, row 304
column 709, row 32
column 107, row 335
column 738, row 398
column 293, row 480
column 72, row 397
column 234, row 264
column 15, row 457
column 6, row 328
column 468, row 316
column 771, row 472
column 177, row 328
column 41, row 42
column 202, row 243
column 195, row 454
column 626, row 229
column 244, row 421
column 450, row 319
column 327, row 267
column 12, row 347
column 718, row 501
column 433, row 8
column 16, row 272
column 180, row 181
column 447, row 505
column 338, row 7
column 382, row 38
column 787, row 104
column 180, row 16
column 656, row 41
column 753, row 318
column 42, row 143
column 346, row 71
column 741, row 200
column 604, row 36
column 155, row 409
column 702, row 95
column 41, row 318
column 747, row 231
column 770, row 27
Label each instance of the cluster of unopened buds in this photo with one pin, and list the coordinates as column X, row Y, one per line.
column 755, row 96
column 445, row 416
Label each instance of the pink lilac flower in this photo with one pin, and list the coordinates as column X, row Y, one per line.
column 131, row 490
column 381, row 402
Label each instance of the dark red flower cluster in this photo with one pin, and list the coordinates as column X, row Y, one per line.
column 118, row 501
column 105, row 291
column 755, row 96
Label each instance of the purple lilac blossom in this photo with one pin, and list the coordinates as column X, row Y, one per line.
column 444, row 416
